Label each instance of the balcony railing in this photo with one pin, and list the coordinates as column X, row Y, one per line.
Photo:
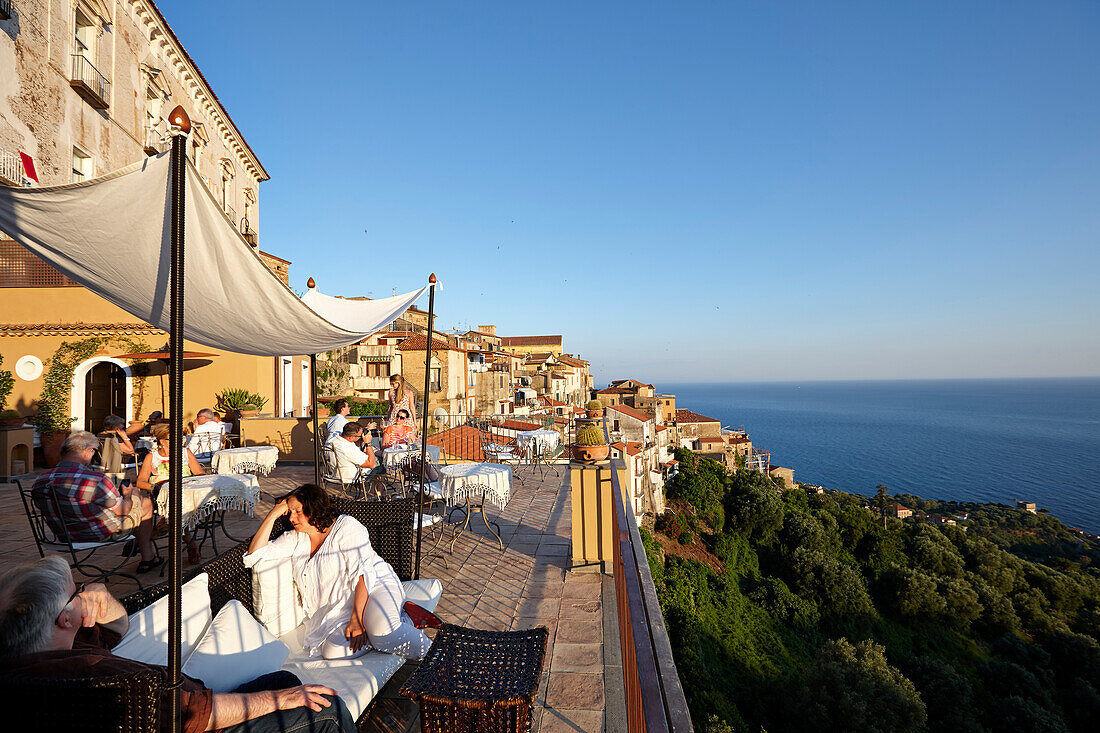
column 655, row 700
column 5, row 9
column 156, row 138
column 11, row 167
column 90, row 83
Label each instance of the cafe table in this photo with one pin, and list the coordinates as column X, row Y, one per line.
column 474, row 484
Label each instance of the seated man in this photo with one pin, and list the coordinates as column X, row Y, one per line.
column 351, row 459
column 207, row 436
column 92, row 509
column 340, row 411
column 49, row 628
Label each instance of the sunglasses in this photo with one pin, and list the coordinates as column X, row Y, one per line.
column 79, row 589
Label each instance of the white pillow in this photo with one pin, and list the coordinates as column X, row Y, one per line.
column 234, row 650
column 275, row 597
column 147, row 638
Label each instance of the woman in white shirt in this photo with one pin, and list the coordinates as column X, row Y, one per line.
column 352, row 597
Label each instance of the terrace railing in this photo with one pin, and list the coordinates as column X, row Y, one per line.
column 655, row 699
column 462, row 436
column 11, row 167
column 89, row 83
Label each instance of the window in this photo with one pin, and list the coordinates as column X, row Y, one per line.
column 82, row 165
column 435, row 377
column 84, row 37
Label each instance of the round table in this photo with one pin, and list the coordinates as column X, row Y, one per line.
column 204, row 495
column 395, row 456
column 544, row 441
column 251, row 459
column 468, row 482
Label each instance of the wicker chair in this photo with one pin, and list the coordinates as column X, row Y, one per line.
column 132, row 702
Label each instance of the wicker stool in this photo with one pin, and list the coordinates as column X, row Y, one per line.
column 474, row 680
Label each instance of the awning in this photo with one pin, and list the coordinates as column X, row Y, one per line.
column 111, row 235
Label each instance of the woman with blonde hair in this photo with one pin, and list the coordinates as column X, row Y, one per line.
column 154, row 472
column 401, row 398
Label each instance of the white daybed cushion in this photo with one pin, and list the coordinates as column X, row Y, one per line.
column 147, row 638
column 275, row 597
column 424, row 592
column 357, row 680
column 235, row 649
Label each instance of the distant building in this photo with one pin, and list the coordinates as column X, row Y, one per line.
column 897, row 510
column 783, row 475
column 1027, row 506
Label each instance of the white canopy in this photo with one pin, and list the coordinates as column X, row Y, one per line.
column 112, row 235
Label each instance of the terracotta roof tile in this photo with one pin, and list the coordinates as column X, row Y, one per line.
column 77, row 329
column 614, row 390
column 630, row 448
column 530, row 340
column 690, row 417
column 465, row 441
column 631, row 412
column 419, row 342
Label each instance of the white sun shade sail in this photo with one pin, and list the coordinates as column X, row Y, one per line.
column 112, row 235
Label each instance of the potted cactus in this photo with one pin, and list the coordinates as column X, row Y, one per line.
column 590, row 446
column 595, row 409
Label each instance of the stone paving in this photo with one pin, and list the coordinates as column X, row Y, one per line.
column 528, row 584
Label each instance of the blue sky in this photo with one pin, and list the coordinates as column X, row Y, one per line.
column 692, row 191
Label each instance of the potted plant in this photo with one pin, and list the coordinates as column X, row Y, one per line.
column 237, row 403
column 590, row 445
column 595, row 409
column 10, row 419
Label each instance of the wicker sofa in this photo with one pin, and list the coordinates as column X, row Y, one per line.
column 132, row 702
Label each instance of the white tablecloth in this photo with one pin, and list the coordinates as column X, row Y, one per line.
column 251, row 459
column 545, row 441
column 461, row 480
column 396, row 455
column 204, row 495
column 146, row 443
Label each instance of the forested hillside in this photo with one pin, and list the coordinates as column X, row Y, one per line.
column 826, row 616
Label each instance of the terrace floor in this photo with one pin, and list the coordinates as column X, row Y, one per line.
column 528, row 584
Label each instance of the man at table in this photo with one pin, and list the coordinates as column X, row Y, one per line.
column 92, row 508
column 50, row 628
column 351, row 460
column 207, row 436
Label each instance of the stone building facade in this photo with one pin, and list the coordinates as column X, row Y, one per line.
column 85, row 89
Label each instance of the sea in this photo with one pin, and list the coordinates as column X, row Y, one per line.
column 987, row 440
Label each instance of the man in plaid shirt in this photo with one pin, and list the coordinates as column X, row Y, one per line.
column 92, row 508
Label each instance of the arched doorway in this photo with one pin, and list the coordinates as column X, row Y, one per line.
column 101, row 387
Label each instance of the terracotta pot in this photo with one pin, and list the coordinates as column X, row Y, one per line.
column 51, row 447
column 250, row 413
column 589, row 454
column 595, row 414
column 9, row 423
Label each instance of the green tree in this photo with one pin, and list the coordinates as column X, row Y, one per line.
column 947, row 695
column 881, row 500
column 854, row 688
column 753, row 505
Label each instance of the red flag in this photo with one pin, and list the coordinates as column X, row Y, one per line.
column 28, row 166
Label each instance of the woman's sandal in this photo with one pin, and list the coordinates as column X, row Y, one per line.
column 146, row 565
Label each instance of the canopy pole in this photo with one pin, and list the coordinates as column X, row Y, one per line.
column 316, row 429
column 424, row 432
column 178, row 178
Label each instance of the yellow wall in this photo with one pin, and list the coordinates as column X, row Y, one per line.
column 74, row 305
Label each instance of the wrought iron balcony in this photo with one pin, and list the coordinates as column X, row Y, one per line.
column 90, row 83
column 156, row 138
column 5, row 9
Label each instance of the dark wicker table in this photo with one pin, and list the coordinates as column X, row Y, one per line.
column 473, row 680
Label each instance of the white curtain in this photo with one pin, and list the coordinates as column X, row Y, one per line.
column 112, row 235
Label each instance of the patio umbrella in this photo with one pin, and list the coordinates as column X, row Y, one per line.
column 165, row 357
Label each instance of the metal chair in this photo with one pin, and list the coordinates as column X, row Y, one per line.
column 46, row 537
column 356, row 489
column 505, row 454
column 205, row 445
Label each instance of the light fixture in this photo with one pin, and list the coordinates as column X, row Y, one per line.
column 178, row 118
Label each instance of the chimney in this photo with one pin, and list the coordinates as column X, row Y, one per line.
column 491, row 330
